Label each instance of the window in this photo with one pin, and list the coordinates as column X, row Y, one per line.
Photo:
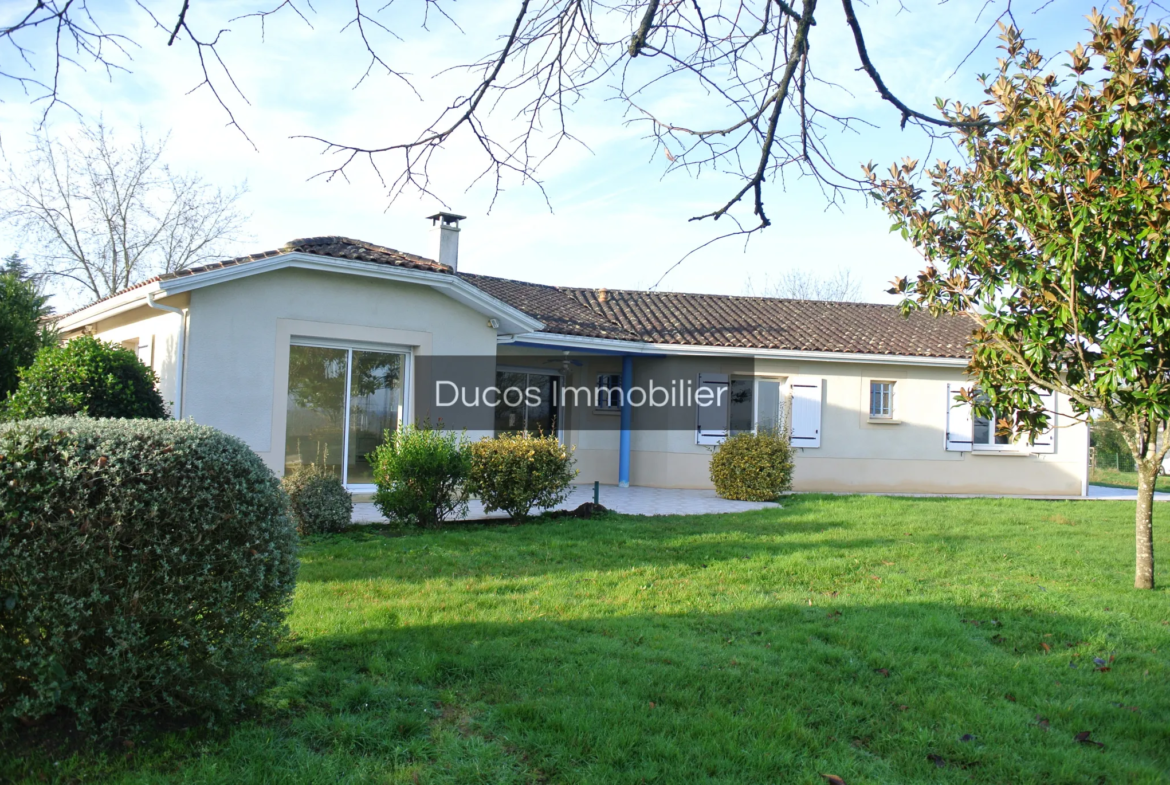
column 609, row 392
column 984, row 434
column 528, row 402
column 341, row 402
column 756, row 404
column 965, row 431
column 881, row 400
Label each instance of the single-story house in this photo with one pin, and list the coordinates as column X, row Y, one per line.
column 311, row 351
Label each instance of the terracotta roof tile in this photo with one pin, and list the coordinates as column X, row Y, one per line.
column 561, row 314
column 734, row 322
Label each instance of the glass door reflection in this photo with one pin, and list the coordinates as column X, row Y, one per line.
column 341, row 403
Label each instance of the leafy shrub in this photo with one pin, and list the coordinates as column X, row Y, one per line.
column 318, row 501
column 87, row 376
column 144, row 566
column 516, row 472
column 752, row 467
column 421, row 475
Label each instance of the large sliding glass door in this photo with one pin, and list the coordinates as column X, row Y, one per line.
column 341, row 401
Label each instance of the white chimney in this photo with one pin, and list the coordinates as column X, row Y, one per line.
column 446, row 225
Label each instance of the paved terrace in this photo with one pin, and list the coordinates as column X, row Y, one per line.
column 629, row 501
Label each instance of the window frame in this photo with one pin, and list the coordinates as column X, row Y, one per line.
column 404, row 413
column 891, row 395
column 609, row 408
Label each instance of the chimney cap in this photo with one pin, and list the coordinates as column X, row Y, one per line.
column 446, row 218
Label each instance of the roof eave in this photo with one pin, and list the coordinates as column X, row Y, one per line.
column 112, row 306
column 570, row 342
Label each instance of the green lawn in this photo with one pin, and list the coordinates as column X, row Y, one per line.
column 881, row 640
column 1116, row 479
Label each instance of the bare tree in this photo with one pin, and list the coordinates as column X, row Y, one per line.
column 760, row 117
column 841, row 286
column 105, row 215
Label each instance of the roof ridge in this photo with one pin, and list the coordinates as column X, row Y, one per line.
column 330, row 239
column 765, row 298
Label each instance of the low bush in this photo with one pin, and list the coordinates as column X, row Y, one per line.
column 752, row 467
column 421, row 474
column 87, row 376
column 518, row 472
column 144, row 567
column 319, row 503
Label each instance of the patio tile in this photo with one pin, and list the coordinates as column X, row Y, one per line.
column 629, row 501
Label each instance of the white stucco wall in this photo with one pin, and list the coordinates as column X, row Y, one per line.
column 240, row 332
column 855, row 455
column 236, row 379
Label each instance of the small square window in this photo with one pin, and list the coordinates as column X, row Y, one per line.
column 609, row 392
column 881, row 400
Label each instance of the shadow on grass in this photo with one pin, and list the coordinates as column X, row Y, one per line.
column 909, row 685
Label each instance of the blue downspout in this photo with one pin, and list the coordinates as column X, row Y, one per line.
column 627, row 416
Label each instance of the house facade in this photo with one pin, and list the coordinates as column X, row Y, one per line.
column 309, row 353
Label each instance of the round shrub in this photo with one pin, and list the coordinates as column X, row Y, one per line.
column 752, row 467
column 517, row 472
column 87, row 376
column 421, row 475
column 145, row 566
column 319, row 502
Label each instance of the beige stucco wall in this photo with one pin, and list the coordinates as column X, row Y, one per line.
column 856, row 455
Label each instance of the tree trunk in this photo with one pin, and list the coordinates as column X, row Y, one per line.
column 1147, row 477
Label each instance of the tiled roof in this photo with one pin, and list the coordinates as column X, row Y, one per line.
column 737, row 322
column 561, row 314
column 671, row 317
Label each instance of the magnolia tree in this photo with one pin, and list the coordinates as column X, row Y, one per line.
column 1051, row 233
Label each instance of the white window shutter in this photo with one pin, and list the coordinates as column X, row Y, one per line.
column 806, row 411
column 960, row 433
column 711, row 420
column 1046, row 442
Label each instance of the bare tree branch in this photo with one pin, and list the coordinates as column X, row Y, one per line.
column 107, row 215
column 734, row 66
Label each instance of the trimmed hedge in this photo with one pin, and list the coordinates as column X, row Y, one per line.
column 422, row 475
column 517, row 472
column 752, row 467
column 144, row 566
column 319, row 503
column 90, row 377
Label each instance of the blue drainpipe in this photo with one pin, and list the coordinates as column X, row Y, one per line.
column 627, row 414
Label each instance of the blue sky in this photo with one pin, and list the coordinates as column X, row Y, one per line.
column 617, row 220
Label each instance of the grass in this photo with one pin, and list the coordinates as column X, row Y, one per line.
column 1115, row 479
column 881, row 640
